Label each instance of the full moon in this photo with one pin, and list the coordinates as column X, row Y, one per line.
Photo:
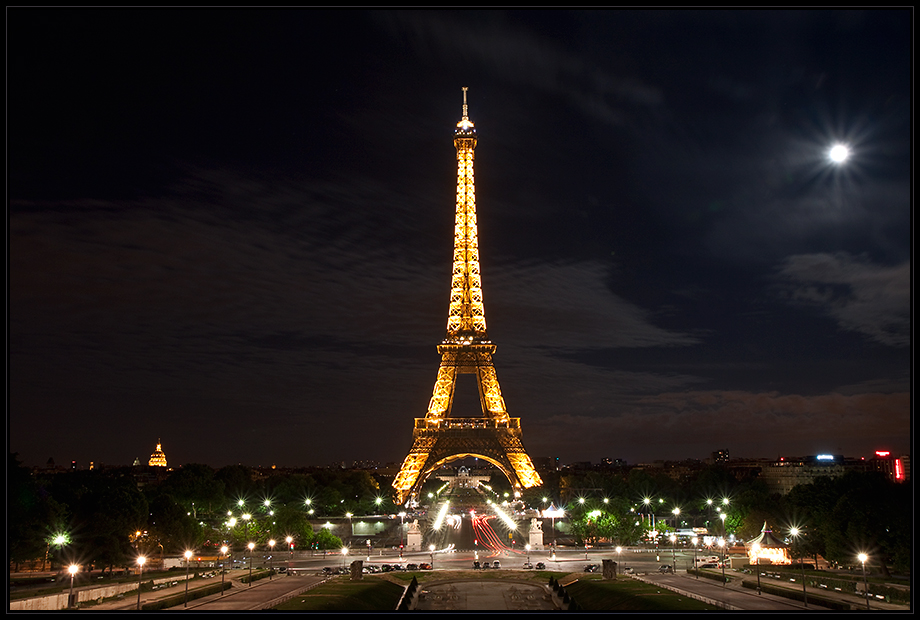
column 838, row 153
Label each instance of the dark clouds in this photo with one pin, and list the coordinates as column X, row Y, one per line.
column 231, row 229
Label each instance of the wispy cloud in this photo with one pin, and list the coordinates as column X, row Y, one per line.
column 863, row 297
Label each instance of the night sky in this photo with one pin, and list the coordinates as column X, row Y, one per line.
column 231, row 230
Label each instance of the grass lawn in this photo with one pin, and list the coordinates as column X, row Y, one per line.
column 596, row 594
column 382, row 592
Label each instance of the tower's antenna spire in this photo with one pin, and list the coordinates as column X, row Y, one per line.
column 465, row 115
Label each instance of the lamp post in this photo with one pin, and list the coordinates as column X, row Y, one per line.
column 223, row 571
column 246, row 518
column 527, row 547
column 271, row 559
column 188, row 557
column 251, row 546
column 696, row 568
column 673, row 538
column 59, row 540
column 794, row 532
column 615, row 568
column 72, row 569
column 290, row 542
column 402, row 517
column 757, row 563
column 140, row 562
column 344, row 554
column 862, row 558
column 722, row 516
column 431, row 552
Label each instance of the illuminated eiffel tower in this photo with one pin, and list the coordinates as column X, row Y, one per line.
column 439, row 438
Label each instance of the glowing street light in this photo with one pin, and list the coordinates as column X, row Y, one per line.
column 72, row 569
column 696, row 568
column 615, row 569
column 673, row 538
column 290, row 542
column 251, row 546
column 862, row 558
column 344, row 554
column 402, row 517
column 794, row 532
column 140, row 562
column 188, row 557
column 223, row 571
column 271, row 558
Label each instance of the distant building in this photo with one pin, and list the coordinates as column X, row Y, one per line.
column 785, row 473
column 895, row 467
column 719, row 456
column 158, row 458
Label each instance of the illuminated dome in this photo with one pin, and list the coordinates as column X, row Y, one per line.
column 158, row 458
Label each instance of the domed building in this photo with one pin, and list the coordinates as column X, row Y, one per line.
column 158, row 458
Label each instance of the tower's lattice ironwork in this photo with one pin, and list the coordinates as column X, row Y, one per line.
column 439, row 438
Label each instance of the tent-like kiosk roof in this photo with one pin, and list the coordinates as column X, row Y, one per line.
column 766, row 539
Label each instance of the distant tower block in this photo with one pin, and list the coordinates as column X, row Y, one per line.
column 439, row 438
column 158, row 458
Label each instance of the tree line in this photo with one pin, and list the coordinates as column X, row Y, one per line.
column 108, row 519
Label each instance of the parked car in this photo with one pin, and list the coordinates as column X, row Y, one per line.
column 412, row 566
column 528, row 565
column 486, row 565
column 496, row 564
column 477, row 565
column 424, row 566
column 709, row 565
column 328, row 570
column 628, row 570
column 282, row 569
column 664, row 568
column 541, row 566
column 591, row 568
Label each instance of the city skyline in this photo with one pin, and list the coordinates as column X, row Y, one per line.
column 232, row 230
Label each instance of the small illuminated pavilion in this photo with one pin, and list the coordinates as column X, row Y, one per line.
column 767, row 548
column 158, row 458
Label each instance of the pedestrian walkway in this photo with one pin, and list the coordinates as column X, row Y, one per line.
column 484, row 595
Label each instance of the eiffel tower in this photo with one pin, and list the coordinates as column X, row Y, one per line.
column 439, row 438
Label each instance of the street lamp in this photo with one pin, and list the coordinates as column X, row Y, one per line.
column 271, row 558
column 615, row 569
column 431, row 552
column 344, row 553
column 757, row 562
column 402, row 516
column 673, row 538
column 696, row 568
column 246, row 518
column 188, row 557
column 722, row 553
column 72, row 569
column 290, row 542
column 794, row 532
column 251, row 546
column 140, row 562
column 527, row 547
column 862, row 558
column 223, row 571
